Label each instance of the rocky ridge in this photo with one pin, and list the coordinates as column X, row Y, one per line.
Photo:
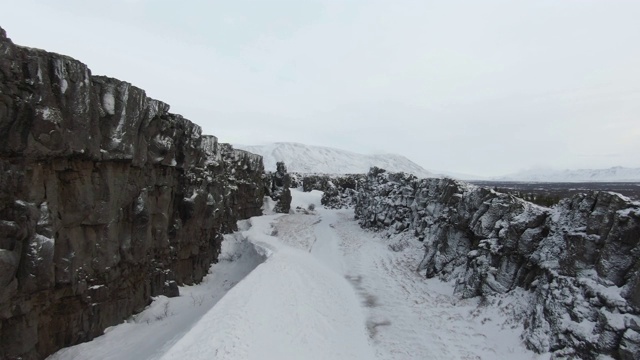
column 339, row 191
column 579, row 261
column 106, row 199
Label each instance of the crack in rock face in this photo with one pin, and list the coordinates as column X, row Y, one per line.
column 579, row 258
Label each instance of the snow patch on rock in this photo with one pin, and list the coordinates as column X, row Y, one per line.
column 109, row 103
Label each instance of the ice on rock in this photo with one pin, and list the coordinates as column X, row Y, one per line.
column 109, row 103
column 61, row 73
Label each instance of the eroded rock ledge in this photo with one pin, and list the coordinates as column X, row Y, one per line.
column 106, row 199
column 580, row 260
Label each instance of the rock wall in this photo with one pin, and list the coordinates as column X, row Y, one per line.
column 340, row 191
column 580, row 260
column 106, row 199
column 316, row 182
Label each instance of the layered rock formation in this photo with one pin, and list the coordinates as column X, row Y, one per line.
column 106, row 199
column 580, row 261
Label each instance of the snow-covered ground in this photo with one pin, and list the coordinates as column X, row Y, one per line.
column 315, row 286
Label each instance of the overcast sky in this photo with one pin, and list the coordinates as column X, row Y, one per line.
column 481, row 87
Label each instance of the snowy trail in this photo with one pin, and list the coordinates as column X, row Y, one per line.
column 293, row 306
column 326, row 247
column 318, row 287
column 410, row 317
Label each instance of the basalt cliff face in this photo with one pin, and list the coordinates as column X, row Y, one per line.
column 106, row 199
column 579, row 261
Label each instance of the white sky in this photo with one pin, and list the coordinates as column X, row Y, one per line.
column 481, row 87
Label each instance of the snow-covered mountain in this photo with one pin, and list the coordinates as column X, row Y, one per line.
column 318, row 159
column 614, row 174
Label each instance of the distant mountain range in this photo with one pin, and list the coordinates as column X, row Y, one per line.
column 614, row 174
column 318, row 159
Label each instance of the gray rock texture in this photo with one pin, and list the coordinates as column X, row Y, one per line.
column 340, row 191
column 319, row 182
column 280, row 188
column 579, row 261
column 106, row 199
column 296, row 179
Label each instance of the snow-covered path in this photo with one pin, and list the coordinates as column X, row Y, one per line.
column 326, row 290
column 292, row 306
column 326, row 248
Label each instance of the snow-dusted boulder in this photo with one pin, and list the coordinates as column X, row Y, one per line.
column 579, row 259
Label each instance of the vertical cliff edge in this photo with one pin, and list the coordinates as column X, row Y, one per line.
column 106, row 199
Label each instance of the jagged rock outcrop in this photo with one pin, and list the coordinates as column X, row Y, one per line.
column 296, row 179
column 106, row 199
column 580, row 260
column 340, row 191
column 316, row 182
column 280, row 192
column 339, row 198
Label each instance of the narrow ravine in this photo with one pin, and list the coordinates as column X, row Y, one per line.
column 314, row 285
column 410, row 317
column 296, row 305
